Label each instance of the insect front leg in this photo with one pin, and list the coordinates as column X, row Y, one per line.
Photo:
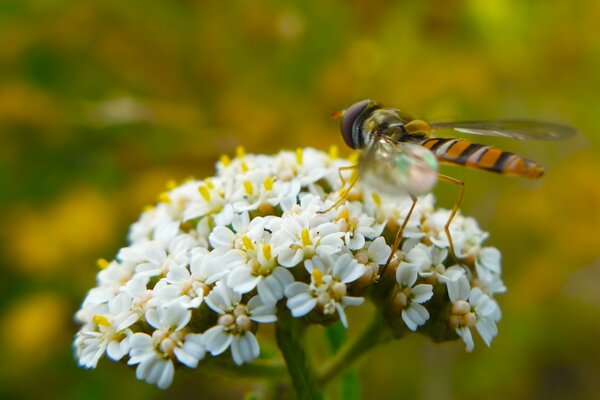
column 457, row 203
column 400, row 233
column 344, row 192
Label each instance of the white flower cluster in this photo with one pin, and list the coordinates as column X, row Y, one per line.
column 211, row 261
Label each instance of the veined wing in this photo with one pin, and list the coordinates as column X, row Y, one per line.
column 511, row 128
column 397, row 168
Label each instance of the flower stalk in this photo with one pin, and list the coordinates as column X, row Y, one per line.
column 288, row 332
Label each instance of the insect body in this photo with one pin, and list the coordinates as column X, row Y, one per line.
column 400, row 154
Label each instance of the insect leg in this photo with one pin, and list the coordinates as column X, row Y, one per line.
column 400, row 233
column 457, row 203
column 343, row 191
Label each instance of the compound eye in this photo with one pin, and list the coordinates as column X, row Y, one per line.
column 348, row 120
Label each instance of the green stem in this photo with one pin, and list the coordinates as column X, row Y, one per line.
column 375, row 334
column 287, row 333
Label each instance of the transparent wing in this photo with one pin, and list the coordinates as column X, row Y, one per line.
column 511, row 128
column 397, row 168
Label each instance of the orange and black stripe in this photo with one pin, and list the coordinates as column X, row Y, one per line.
column 489, row 158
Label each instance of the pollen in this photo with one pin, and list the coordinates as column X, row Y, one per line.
column 102, row 263
column 317, row 276
column 204, row 193
column 376, row 199
column 101, row 320
column 209, row 183
column 333, row 152
column 248, row 188
column 248, row 243
column 164, row 197
column 305, row 235
column 244, row 167
column 344, row 214
column 225, row 160
column 240, row 152
column 353, row 158
column 299, row 156
column 266, row 249
column 268, row 183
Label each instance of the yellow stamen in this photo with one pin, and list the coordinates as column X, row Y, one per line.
column 148, row 208
column 244, row 167
column 225, row 160
column 248, row 243
column 376, row 199
column 209, row 183
column 102, row 263
column 267, row 251
column 164, row 197
column 317, row 276
column 344, row 214
column 333, row 151
column 240, row 152
column 101, row 320
column 305, row 235
column 268, row 183
column 171, row 184
column 204, row 193
column 353, row 158
column 248, row 188
column 299, row 157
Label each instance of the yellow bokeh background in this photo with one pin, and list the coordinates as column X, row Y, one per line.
column 102, row 102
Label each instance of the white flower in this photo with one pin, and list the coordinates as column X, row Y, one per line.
column 299, row 238
column 235, row 323
column 158, row 261
column 154, row 354
column 428, row 261
column 189, row 286
column 489, row 270
column 328, row 288
column 222, row 236
column 357, row 225
column 372, row 257
column 105, row 331
column 262, row 272
column 409, row 297
column 471, row 308
column 210, row 201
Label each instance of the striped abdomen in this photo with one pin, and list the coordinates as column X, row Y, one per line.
column 489, row 158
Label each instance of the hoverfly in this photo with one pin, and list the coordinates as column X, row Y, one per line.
column 400, row 154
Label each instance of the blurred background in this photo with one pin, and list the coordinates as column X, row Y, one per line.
column 102, row 102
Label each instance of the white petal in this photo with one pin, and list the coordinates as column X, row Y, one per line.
column 216, row 340
column 342, row 314
column 242, row 280
column 379, row 251
column 458, row 289
column 261, row 312
column 296, row 288
column 406, row 274
column 415, row 315
column 422, row 293
column 301, row 304
column 222, row 237
column 166, row 377
column 467, row 337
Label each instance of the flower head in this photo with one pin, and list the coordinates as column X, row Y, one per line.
column 212, row 261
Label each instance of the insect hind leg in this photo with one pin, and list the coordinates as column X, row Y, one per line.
column 457, row 204
column 344, row 192
column 400, row 233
